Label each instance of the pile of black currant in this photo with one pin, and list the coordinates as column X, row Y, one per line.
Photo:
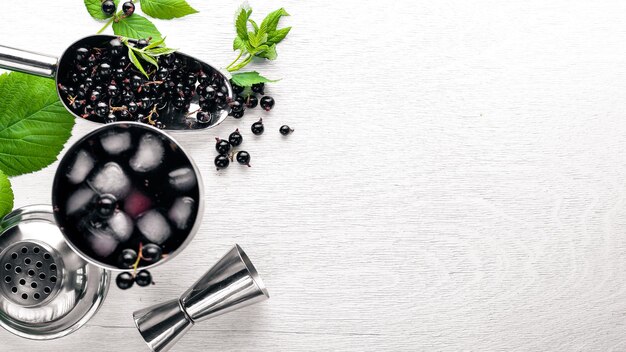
column 247, row 99
column 104, row 86
column 223, row 147
column 108, row 8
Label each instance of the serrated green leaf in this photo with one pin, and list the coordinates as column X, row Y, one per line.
column 136, row 27
column 6, row 195
column 34, row 124
column 270, row 23
column 94, row 7
column 136, row 62
column 238, row 44
column 254, row 25
column 160, row 51
column 166, row 9
column 150, row 60
column 155, row 43
column 278, row 35
column 269, row 53
column 241, row 24
column 247, row 79
column 256, row 39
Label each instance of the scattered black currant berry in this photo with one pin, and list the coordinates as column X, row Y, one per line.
column 128, row 258
column 222, row 146
column 151, row 252
column 108, row 7
column 143, row 278
column 243, row 157
column 257, row 127
column 235, row 138
column 251, row 101
column 285, row 130
column 236, row 106
column 124, row 281
column 237, row 89
column 221, row 161
column 267, row 103
column 237, row 115
column 128, row 8
column 258, row 88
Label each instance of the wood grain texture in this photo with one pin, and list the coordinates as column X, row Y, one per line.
column 456, row 180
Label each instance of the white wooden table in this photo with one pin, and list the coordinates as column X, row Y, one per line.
column 456, row 181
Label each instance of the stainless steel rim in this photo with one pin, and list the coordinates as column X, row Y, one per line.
column 192, row 232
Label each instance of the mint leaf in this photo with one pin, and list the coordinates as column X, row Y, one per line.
column 133, row 58
column 136, row 27
column 277, row 36
column 254, row 25
column 270, row 23
column 269, row 53
column 94, row 7
column 241, row 24
column 155, row 43
column 160, row 51
column 34, row 124
column 150, row 60
column 257, row 39
column 247, row 79
column 6, row 195
column 166, row 9
column 238, row 44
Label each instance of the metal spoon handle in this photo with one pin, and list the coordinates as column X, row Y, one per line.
column 28, row 62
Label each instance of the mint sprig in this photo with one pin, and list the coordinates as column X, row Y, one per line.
column 256, row 41
column 247, row 79
column 150, row 53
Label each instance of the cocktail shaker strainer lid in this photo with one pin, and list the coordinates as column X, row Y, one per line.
column 47, row 291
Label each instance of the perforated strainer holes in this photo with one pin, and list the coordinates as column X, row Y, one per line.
column 30, row 274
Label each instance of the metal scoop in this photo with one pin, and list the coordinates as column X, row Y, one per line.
column 61, row 68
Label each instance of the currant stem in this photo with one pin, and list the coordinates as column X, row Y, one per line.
column 106, row 25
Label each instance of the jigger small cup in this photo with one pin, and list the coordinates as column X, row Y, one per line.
column 232, row 283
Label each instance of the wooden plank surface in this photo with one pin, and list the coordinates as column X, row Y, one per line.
column 456, row 180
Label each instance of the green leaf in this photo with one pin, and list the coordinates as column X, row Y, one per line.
column 257, row 39
column 94, row 7
column 136, row 62
column 34, row 124
column 277, row 36
column 6, row 195
column 238, row 44
column 241, row 24
column 150, row 60
column 136, row 27
column 270, row 23
column 166, row 9
column 155, row 43
column 254, row 25
column 269, row 53
column 247, row 79
column 160, row 51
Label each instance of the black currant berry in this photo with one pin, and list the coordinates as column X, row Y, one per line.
column 251, row 101
column 113, row 91
column 221, row 161
column 143, row 278
column 106, row 205
column 203, row 117
column 116, row 46
column 235, row 138
column 222, row 146
column 236, row 106
column 132, row 107
column 243, row 157
column 267, row 103
column 141, row 43
column 151, row 252
column 237, row 115
column 257, row 127
column 108, row 7
column 124, row 281
column 258, row 88
column 128, row 8
column 285, row 130
column 128, row 258
column 237, row 89
column 81, row 55
column 102, row 109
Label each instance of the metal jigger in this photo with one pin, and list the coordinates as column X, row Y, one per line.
column 232, row 283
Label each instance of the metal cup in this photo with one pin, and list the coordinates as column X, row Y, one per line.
column 232, row 283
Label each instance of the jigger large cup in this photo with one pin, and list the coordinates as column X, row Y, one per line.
column 58, row 68
column 232, row 283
